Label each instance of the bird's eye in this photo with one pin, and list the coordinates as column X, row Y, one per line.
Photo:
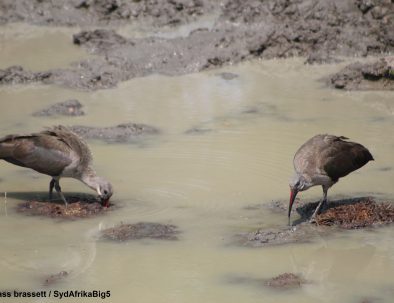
column 105, row 192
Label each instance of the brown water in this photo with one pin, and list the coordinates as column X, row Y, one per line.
column 201, row 182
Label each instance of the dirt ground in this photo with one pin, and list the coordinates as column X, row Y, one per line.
column 321, row 31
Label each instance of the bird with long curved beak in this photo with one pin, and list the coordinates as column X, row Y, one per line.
column 57, row 152
column 322, row 160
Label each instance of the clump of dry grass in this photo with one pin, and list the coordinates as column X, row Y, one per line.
column 362, row 214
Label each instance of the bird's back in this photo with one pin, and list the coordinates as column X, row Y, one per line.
column 49, row 152
column 330, row 155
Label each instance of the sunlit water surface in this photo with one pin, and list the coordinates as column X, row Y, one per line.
column 203, row 182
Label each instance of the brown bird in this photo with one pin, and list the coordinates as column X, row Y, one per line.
column 57, row 152
column 322, row 160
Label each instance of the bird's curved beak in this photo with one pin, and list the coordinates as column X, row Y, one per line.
column 293, row 194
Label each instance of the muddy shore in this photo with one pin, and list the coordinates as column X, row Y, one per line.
column 321, row 31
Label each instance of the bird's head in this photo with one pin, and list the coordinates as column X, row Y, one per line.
column 104, row 190
column 100, row 185
column 297, row 183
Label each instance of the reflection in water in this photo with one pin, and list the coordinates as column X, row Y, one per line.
column 246, row 131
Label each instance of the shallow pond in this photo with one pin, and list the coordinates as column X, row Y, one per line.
column 225, row 144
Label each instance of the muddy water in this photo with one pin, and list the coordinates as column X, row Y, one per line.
column 225, row 145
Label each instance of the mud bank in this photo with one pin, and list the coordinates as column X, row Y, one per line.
column 316, row 29
column 378, row 75
column 122, row 133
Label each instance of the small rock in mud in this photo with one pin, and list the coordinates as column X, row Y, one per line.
column 141, row 230
column 286, row 281
column 362, row 214
column 67, row 108
column 52, row 279
column 378, row 75
column 18, row 75
column 122, row 133
column 76, row 209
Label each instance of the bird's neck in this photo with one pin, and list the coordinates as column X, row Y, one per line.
column 90, row 179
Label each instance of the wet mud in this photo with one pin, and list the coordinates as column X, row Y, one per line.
column 122, row 133
column 286, row 281
column 66, row 108
column 77, row 208
column 102, row 12
column 55, row 278
column 351, row 213
column 141, row 230
column 18, row 75
column 378, row 75
column 319, row 30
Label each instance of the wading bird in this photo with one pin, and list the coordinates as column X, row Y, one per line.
column 57, row 152
column 322, row 160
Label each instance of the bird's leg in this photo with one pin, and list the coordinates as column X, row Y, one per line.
column 324, row 206
column 51, row 185
column 59, row 191
column 321, row 203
